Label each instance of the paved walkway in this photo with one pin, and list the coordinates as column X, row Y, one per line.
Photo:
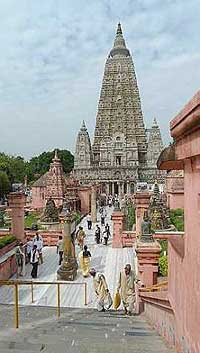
column 79, row 331
column 104, row 258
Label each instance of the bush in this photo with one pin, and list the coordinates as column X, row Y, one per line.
column 164, row 246
column 5, row 240
column 30, row 219
column 177, row 219
column 163, row 266
column 131, row 217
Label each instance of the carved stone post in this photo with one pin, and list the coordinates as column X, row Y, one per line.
column 142, row 200
column 93, row 205
column 68, row 269
column 17, row 202
column 148, row 255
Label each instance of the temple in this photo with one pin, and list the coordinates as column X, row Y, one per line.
column 121, row 153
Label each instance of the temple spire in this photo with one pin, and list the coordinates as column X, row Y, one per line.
column 119, row 47
column 56, row 158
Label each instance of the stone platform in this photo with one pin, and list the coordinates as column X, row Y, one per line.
column 104, row 258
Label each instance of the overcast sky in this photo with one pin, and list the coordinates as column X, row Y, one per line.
column 52, row 60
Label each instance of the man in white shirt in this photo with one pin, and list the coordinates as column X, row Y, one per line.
column 39, row 242
column 34, row 261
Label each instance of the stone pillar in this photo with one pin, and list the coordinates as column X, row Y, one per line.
column 142, row 200
column 68, row 269
column 93, row 205
column 107, row 189
column 117, row 218
column 17, row 202
column 148, row 255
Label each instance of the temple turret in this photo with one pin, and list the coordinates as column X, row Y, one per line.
column 82, row 158
column 155, row 145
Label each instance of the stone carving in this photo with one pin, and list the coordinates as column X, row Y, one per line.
column 50, row 213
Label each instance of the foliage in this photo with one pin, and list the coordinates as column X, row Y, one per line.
column 4, row 184
column 164, row 246
column 30, row 219
column 40, row 164
column 177, row 219
column 5, row 240
column 77, row 217
column 14, row 167
column 163, row 266
column 2, row 219
column 131, row 217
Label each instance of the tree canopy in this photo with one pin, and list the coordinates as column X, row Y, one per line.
column 13, row 169
column 40, row 164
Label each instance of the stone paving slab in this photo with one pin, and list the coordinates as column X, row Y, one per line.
column 104, row 258
column 80, row 330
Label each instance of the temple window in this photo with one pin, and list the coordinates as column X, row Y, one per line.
column 118, row 160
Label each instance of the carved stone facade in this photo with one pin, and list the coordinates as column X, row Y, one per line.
column 118, row 156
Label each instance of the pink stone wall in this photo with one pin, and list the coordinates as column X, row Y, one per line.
column 8, row 268
column 163, row 322
column 175, row 200
column 85, row 197
column 184, row 280
column 38, row 197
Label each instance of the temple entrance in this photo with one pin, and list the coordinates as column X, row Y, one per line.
column 116, row 189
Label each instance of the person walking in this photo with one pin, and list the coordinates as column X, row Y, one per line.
column 80, row 237
column 60, row 249
column 107, row 234
column 34, row 261
column 29, row 246
column 104, row 300
column 20, row 260
column 84, row 259
column 38, row 240
column 126, row 285
column 98, row 234
column 89, row 222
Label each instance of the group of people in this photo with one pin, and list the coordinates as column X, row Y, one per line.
column 33, row 254
column 126, row 288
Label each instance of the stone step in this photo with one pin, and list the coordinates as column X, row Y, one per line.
column 80, row 331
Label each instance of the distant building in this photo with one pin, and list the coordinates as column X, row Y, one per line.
column 61, row 189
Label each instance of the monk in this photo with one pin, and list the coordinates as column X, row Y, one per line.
column 104, row 300
column 126, row 286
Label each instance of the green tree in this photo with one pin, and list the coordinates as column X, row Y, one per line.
column 14, row 167
column 40, row 164
column 4, row 183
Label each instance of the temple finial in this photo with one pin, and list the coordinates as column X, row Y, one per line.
column 56, row 158
column 119, row 28
column 119, row 47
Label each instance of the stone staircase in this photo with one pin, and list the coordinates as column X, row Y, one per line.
column 77, row 331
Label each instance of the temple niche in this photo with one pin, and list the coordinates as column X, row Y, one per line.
column 121, row 146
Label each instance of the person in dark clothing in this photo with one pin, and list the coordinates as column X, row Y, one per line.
column 107, row 234
column 60, row 249
column 89, row 222
column 98, row 234
column 34, row 261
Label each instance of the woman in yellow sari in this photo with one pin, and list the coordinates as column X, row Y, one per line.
column 84, row 259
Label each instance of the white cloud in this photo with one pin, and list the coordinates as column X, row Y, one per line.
column 53, row 55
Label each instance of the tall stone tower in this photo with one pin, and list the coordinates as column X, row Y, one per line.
column 83, row 152
column 155, row 145
column 55, row 183
column 118, row 156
